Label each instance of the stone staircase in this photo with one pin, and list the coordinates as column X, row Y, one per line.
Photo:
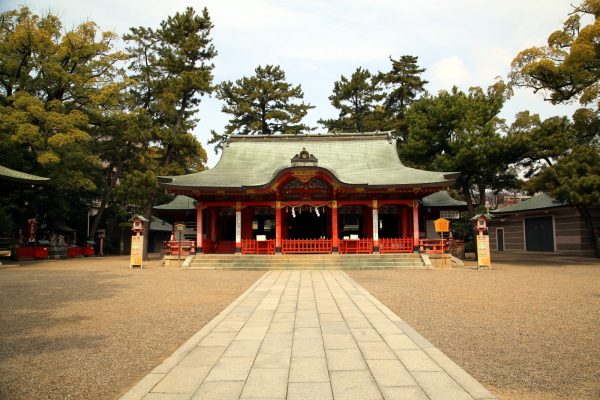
column 308, row 261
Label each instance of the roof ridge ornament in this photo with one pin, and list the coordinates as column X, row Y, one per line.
column 304, row 159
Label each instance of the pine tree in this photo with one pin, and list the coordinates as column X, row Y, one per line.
column 262, row 104
column 172, row 69
column 566, row 70
column 357, row 100
column 403, row 84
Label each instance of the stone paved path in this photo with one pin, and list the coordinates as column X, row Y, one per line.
column 307, row 335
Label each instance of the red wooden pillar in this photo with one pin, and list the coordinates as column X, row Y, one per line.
column 375, row 227
column 213, row 224
column 199, row 227
column 335, row 236
column 238, row 226
column 404, row 221
column 415, row 215
column 278, row 227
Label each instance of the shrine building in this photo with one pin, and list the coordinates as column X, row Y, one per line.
column 290, row 194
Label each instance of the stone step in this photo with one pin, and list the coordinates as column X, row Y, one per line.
column 307, row 261
column 264, row 268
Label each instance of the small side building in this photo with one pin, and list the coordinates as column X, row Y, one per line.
column 541, row 224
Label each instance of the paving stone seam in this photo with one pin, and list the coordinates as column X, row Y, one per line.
column 269, row 324
column 387, row 312
column 462, row 378
column 331, row 275
column 299, row 274
column 132, row 393
column 321, row 330
column 266, row 292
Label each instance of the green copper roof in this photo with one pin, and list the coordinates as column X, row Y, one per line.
column 537, row 202
column 442, row 199
column 354, row 159
column 158, row 224
column 8, row 174
column 178, row 203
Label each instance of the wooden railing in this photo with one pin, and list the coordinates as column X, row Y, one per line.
column 306, row 246
column 434, row 246
column 208, row 246
column 356, row 246
column 251, row 246
column 396, row 245
column 187, row 247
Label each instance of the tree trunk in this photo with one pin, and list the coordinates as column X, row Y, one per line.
column 467, row 193
column 587, row 218
column 110, row 184
column 148, row 216
column 482, row 198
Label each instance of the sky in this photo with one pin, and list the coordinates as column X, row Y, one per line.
column 459, row 42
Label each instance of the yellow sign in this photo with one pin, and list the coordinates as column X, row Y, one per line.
column 137, row 249
column 442, row 225
column 483, row 252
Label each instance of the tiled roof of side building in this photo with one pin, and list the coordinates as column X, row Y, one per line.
column 537, row 202
column 7, row 174
column 442, row 199
column 180, row 202
column 353, row 159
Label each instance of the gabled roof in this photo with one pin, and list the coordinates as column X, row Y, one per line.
column 180, row 202
column 442, row 199
column 12, row 175
column 368, row 159
column 158, row 224
column 537, row 202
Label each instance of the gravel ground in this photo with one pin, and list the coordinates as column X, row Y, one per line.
column 526, row 329
column 91, row 328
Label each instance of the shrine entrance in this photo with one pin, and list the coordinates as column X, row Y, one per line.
column 305, row 222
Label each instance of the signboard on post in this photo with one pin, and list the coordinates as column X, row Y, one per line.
column 442, row 225
column 137, row 250
column 483, row 252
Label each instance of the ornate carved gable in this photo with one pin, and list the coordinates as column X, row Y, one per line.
column 304, row 158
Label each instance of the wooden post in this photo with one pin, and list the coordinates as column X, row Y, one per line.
column 278, row 227
column 404, row 222
column 238, row 226
column 415, row 215
column 199, row 227
column 213, row 224
column 335, row 236
column 375, row 227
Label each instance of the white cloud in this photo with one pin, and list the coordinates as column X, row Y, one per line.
column 450, row 71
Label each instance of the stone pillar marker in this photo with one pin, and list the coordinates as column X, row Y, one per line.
column 375, row 227
column 238, row 226
column 335, row 236
column 199, row 227
column 278, row 226
column 415, row 214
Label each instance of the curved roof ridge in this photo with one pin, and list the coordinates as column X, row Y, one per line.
column 354, row 159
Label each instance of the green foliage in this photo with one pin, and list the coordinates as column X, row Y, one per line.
column 262, row 104
column 457, row 131
column 566, row 70
column 357, row 100
column 403, row 83
column 50, row 83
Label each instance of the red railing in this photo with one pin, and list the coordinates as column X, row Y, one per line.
column 208, row 246
column 251, row 246
column 306, row 246
column 434, row 246
column 187, row 247
column 74, row 252
column 32, row 252
column 396, row 245
column 356, row 246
